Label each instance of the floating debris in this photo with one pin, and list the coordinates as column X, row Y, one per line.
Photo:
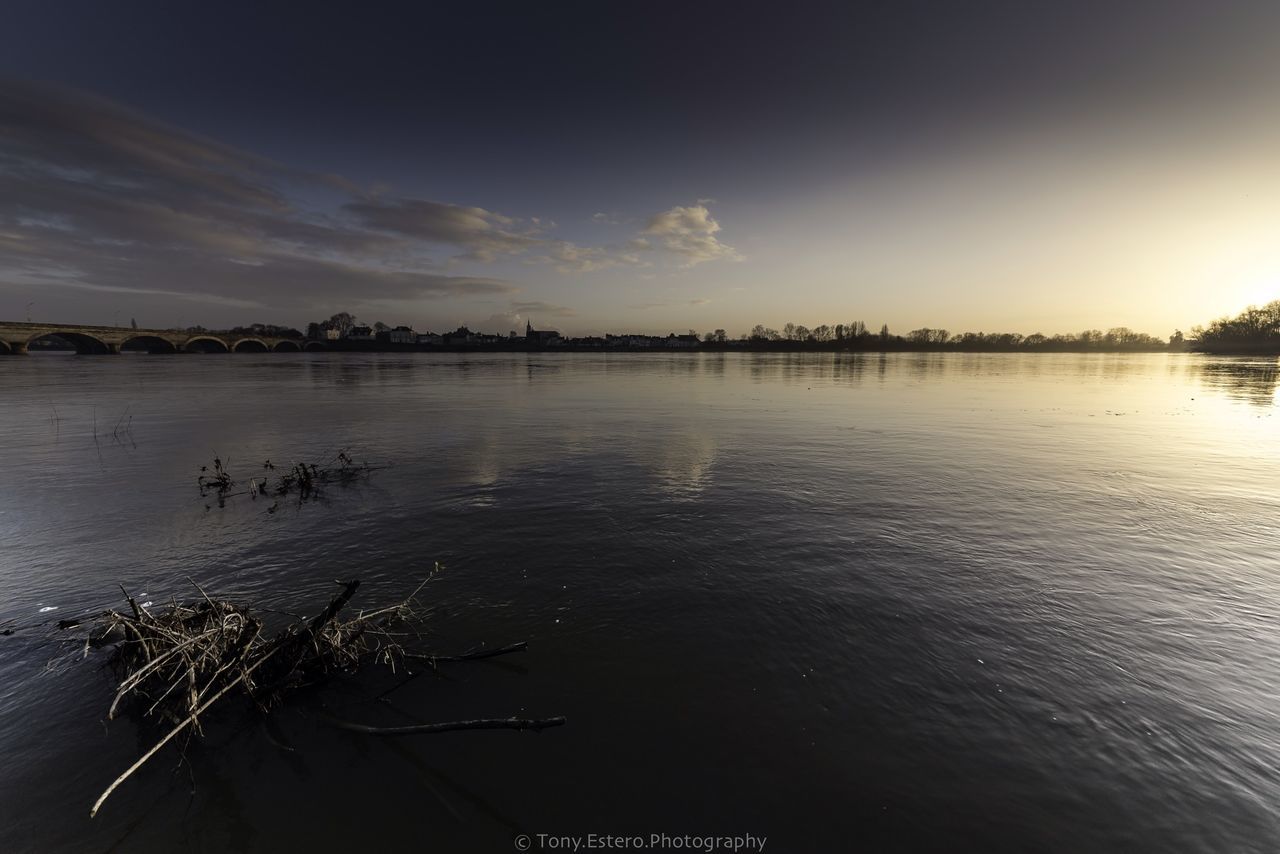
column 178, row 661
column 305, row 481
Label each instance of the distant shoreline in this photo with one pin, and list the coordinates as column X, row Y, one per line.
column 521, row 346
column 771, row 347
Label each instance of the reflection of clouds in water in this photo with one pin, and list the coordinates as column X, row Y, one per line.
column 679, row 460
column 486, row 462
column 683, row 462
column 485, row 459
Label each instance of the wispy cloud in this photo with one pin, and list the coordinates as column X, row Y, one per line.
column 568, row 257
column 542, row 309
column 644, row 306
column 483, row 234
column 689, row 233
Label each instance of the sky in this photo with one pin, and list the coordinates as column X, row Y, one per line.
column 644, row 167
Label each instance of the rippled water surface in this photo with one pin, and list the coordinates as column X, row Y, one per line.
column 1006, row 603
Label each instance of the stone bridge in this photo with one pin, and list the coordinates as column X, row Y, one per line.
column 15, row 337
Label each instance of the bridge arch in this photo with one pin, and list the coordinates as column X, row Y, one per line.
column 84, row 344
column 149, row 343
column 5, row 349
column 250, row 345
column 287, row 346
column 314, row 347
column 205, row 344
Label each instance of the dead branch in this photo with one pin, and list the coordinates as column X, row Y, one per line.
column 179, row 660
column 474, row 655
column 187, row 646
column 535, row 724
column 433, row 660
column 173, row 732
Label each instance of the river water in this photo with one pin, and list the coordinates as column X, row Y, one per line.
column 844, row 602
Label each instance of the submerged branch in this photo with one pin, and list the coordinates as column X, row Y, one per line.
column 535, row 724
column 474, row 655
column 304, row 480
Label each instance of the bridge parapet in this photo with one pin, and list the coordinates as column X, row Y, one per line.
column 16, row 336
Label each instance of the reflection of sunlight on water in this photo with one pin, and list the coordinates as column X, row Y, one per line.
column 683, row 463
column 486, row 459
column 482, row 498
column 487, row 468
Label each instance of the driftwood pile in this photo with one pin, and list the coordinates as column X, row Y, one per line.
column 178, row 661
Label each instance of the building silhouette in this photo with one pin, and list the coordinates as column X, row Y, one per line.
column 539, row 337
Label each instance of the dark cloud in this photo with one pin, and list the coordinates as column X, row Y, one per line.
column 81, row 137
column 520, row 313
column 96, row 197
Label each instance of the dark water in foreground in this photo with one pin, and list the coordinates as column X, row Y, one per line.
column 918, row 602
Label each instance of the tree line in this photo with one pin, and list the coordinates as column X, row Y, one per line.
column 1254, row 330
column 343, row 322
column 266, row 330
column 856, row 336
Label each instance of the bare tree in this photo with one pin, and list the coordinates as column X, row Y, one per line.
column 343, row 322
